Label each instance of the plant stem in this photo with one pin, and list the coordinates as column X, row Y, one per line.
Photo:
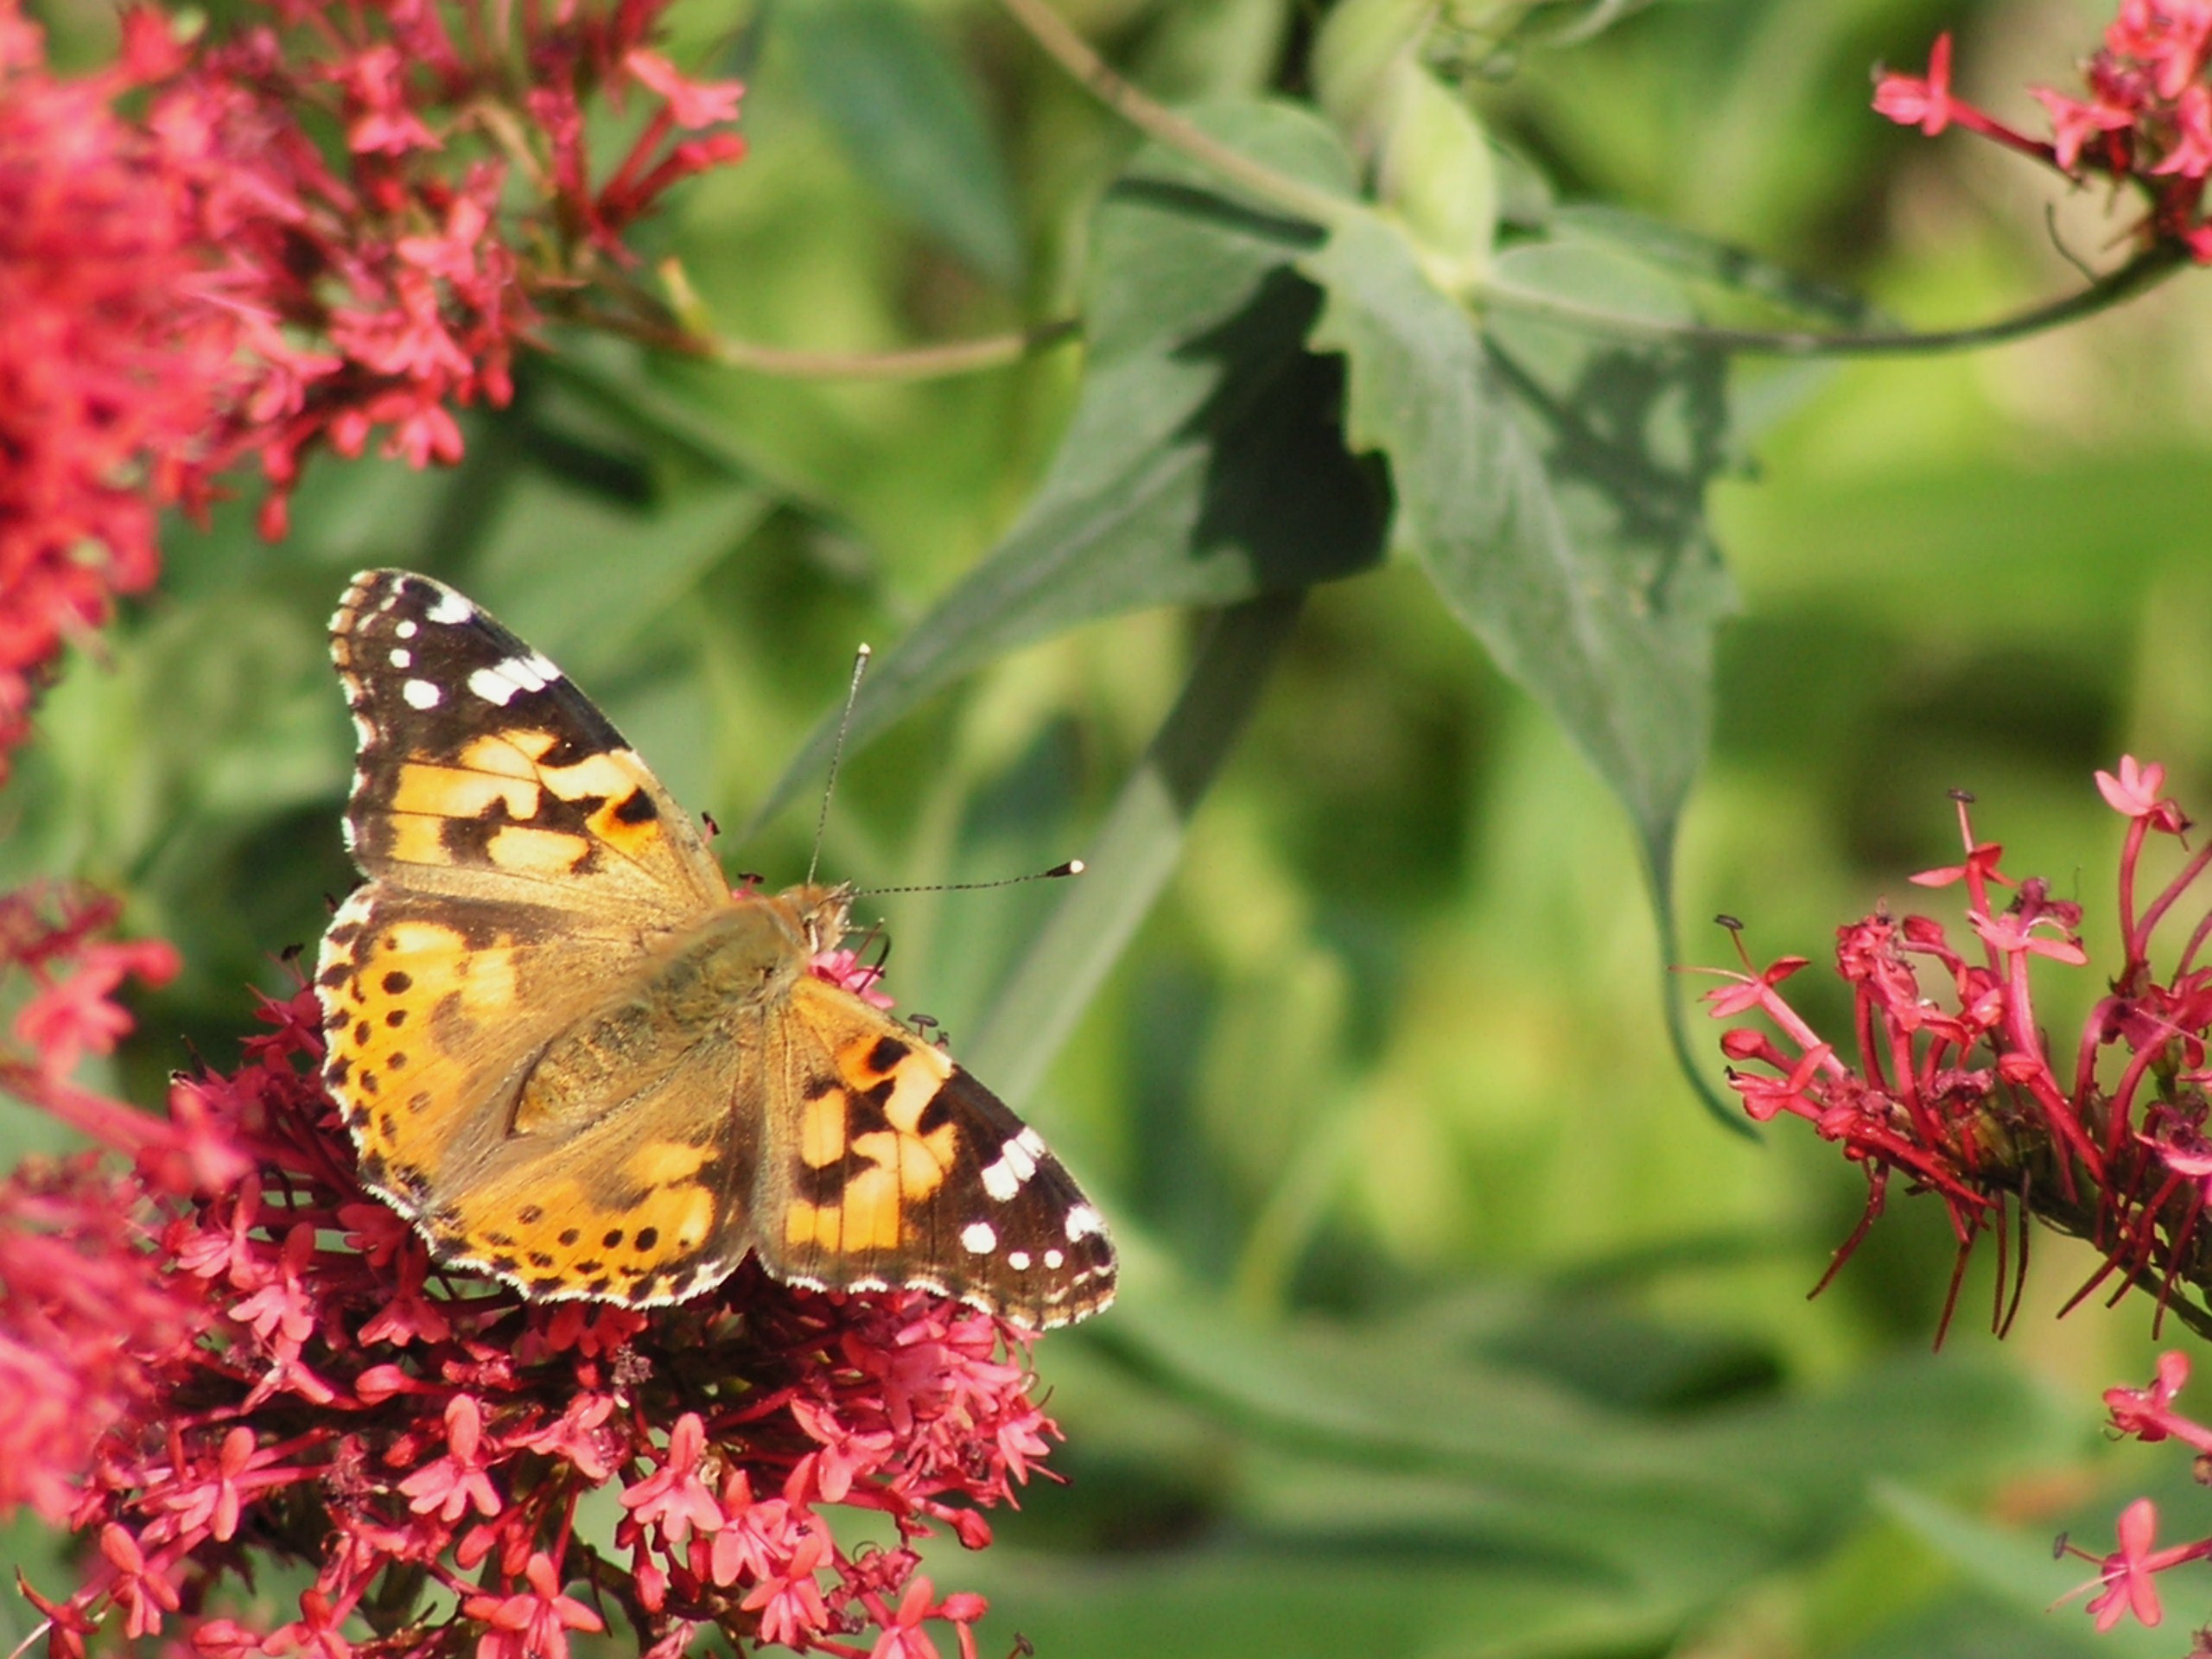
column 2144, row 270
column 1069, row 49
column 916, row 363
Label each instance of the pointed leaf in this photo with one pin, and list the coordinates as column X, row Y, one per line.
column 1205, row 461
column 1552, row 482
column 913, row 125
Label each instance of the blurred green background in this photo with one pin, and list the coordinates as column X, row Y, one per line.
column 1451, row 1324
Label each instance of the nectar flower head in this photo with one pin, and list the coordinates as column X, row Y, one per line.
column 304, row 1385
column 2146, row 117
column 189, row 276
column 1952, row 1080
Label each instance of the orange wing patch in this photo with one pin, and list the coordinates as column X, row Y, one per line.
column 479, row 758
column 418, row 1015
column 556, row 1226
column 868, row 1159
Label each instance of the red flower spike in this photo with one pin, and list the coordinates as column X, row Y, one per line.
column 1954, row 1081
column 188, row 281
column 265, row 1370
column 2146, row 119
column 1962, row 1095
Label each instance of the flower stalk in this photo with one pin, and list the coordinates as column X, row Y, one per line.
column 220, row 1354
column 1952, row 1081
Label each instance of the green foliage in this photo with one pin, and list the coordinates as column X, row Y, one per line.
column 1335, row 614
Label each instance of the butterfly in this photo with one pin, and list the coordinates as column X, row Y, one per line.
column 578, row 1061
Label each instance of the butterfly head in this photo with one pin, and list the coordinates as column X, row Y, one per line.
column 820, row 915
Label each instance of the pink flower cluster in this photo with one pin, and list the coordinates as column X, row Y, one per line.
column 2127, row 1579
column 207, row 277
column 297, row 1383
column 79, row 1324
column 116, row 364
column 1952, row 1081
column 1955, row 1083
column 2146, row 117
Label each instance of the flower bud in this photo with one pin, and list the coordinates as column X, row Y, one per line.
column 1430, row 155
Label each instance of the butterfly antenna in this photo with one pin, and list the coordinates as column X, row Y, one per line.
column 836, row 759
column 1073, row 867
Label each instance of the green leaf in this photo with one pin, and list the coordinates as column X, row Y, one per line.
column 1233, row 1599
column 543, row 568
column 907, row 117
column 1136, row 849
column 1390, row 1442
column 1203, row 463
column 1722, row 264
column 1552, row 482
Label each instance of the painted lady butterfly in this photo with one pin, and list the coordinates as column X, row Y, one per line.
column 576, row 1061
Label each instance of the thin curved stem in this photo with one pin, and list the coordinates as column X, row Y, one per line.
column 916, row 363
column 1072, row 53
column 2143, row 271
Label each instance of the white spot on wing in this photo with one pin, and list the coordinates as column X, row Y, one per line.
column 500, row 683
column 977, row 1238
column 451, row 607
column 405, row 629
column 1082, row 1222
column 401, row 657
column 1053, row 1259
column 1018, row 1260
column 421, row 694
column 1017, row 1163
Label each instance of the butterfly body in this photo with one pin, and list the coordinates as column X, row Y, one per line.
column 712, row 984
column 577, row 1061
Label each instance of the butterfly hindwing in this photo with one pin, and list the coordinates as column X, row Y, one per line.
column 901, row 1170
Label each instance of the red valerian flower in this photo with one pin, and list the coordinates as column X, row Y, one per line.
column 192, row 272
column 535, row 1623
column 2146, row 117
column 1952, row 1081
column 82, row 1326
column 303, row 1386
column 2126, row 1581
column 115, row 366
column 1913, row 101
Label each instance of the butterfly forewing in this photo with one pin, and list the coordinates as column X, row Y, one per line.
column 482, row 769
